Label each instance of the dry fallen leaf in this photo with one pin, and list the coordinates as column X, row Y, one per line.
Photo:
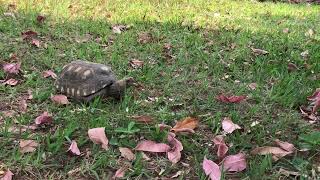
column 74, row 148
column 11, row 82
column 127, row 153
column 174, row 154
column 235, row 163
column 259, row 51
column 230, row 99
column 143, row 118
column 45, row 117
column 120, row 172
column 305, row 54
column 285, row 30
column 285, row 145
column 151, row 146
column 98, row 136
column 186, row 125
column 7, row 175
column 41, row 19
column 135, row 63
column 35, row 42
column 163, row 126
column 315, row 100
column 253, row 86
column 49, row 73
column 292, row 67
column 211, row 169
column 9, row 14
column 221, row 146
column 177, row 174
column 309, row 33
column 276, row 152
column 288, row 173
column 23, row 106
column 28, row 146
column 28, row 34
column 12, row 68
column 228, row 126
column 144, row 37
column 307, row 115
column 118, row 29
column 60, row 99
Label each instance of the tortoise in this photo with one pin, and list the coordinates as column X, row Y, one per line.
column 82, row 81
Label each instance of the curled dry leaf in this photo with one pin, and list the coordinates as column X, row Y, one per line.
column 174, row 155
column 151, row 146
column 221, row 146
column 230, row 99
column 28, row 146
column 259, row 51
column 98, row 136
column 127, row 153
column 11, row 82
column 211, row 169
column 74, row 148
column 163, row 126
column 7, row 175
column 228, row 126
column 276, row 152
column 28, row 34
column 315, row 100
column 49, row 73
column 135, row 63
column 12, row 68
column 120, row 172
column 45, row 117
column 60, row 99
column 235, row 163
column 41, row 19
column 186, row 125
column 285, row 145
column 177, row 174
column 307, row 115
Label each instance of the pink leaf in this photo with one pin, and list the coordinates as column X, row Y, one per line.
column 221, row 146
column 60, row 99
column 163, row 126
column 45, row 117
column 231, row 99
column 228, row 126
column 120, row 172
column 211, row 169
column 152, row 146
column 174, row 155
column 285, row 145
column 7, row 176
column 127, row 153
column 74, row 148
column 49, row 73
column 28, row 146
column 12, row 68
column 35, row 42
column 11, row 82
column 235, row 163
column 98, row 136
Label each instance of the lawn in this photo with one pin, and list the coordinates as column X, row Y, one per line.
column 192, row 52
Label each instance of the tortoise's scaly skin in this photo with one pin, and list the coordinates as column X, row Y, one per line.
column 83, row 81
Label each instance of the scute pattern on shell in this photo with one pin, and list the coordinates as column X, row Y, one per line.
column 81, row 78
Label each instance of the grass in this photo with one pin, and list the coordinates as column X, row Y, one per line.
column 184, row 80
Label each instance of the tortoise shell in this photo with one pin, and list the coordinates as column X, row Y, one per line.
column 82, row 78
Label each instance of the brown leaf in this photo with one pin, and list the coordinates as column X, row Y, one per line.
column 143, row 118
column 230, row 99
column 292, row 67
column 28, row 146
column 135, row 63
column 276, row 152
column 186, row 125
column 127, row 153
column 41, row 19
column 259, row 51
column 60, row 99
column 145, row 37
column 29, row 34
